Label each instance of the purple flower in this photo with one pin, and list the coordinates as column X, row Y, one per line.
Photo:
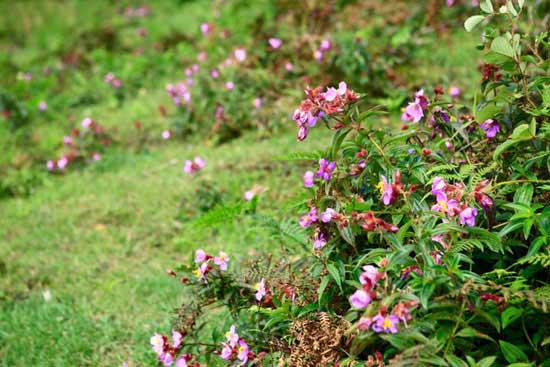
column 260, row 290
column 491, row 128
column 454, row 91
column 275, row 43
column 257, row 102
column 325, row 45
column 413, row 112
column 309, row 178
column 438, row 188
column 42, row 106
column 327, row 215
column 319, row 240
column 229, row 85
column 310, row 218
column 200, row 256
column 446, row 206
column 386, row 189
column 166, row 134
column 387, row 324
column 468, row 217
column 360, row 299
column 325, row 169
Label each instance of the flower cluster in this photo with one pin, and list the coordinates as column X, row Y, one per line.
column 370, row 223
column 385, row 322
column 193, row 166
column 180, row 93
column 207, row 262
column 167, row 352
column 449, row 201
column 319, row 104
column 324, row 47
column 112, row 80
column 235, row 348
column 368, row 279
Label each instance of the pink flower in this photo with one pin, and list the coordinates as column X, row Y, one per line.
column 257, row 102
column 327, row 215
column 229, row 85
column 221, row 260
column 318, row 55
column 51, row 165
column 364, row 323
column 386, row 189
column 176, row 338
column 96, row 156
column 200, row 256
column 325, row 45
column 42, row 106
column 109, row 77
column 310, row 218
column 325, row 169
column 62, row 163
column 182, row 361
column 370, row 276
column 240, row 54
column 87, row 122
column 260, row 290
column 332, row 93
column 214, row 73
column 319, row 240
column 67, row 140
column 202, row 56
column 227, row 352
column 438, row 188
column 413, row 112
column 360, row 299
column 188, row 72
column 116, row 83
column 249, row 195
column 450, row 207
column 195, row 68
column 202, row 270
column 206, row 28
column 166, row 358
column 468, row 217
column 275, row 43
column 157, row 342
column 196, row 165
column 289, row 66
column 243, row 351
column 309, row 178
column 166, row 134
column 454, row 92
column 232, row 336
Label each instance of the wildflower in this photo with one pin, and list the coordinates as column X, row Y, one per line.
column 229, row 85
column 468, row 216
column 401, row 310
column 214, row 73
column 42, row 106
column 386, row 323
column 360, row 299
column 50, row 165
column 325, row 169
column 319, row 240
column 327, row 215
column 96, row 156
column 201, row 271
column 386, row 190
column 195, row 68
column 67, row 140
column 206, row 28
column 364, row 323
column 232, row 336
column 116, row 83
column 62, row 163
column 370, row 223
column 288, row 66
column 182, row 361
column 325, row 45
column 310, row 218
column 331, row 93
column 191, row 167
column 243, row 352
column 275, row 43
column 109, row 77
column 256, row 190
column 491, row 128
column 438, row 188
column 454, row 92
column 413, row 112
column 446, row 206
column 249, row 195
column 188, row 72
column 87, row 122
column 202, row 56
column 260, row 290
column 240, row 54
column 370, row 276
column 257, row 102
column 227, row 352
column 176, row 338
column 318, row 55
column 157, row 341
column 201, row 256
column 221, row 260
column 166, row 134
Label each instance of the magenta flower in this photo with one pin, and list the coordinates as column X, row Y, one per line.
column 360, row 299
column 206, row 28
column 454, row 91
column 221, row 260
column 166, row 134
column 325, row 45
column 257, row 102
column 67, row 140
column 289, row 66
column 96, row 156
column 413, row 112
column 309, row 178
column 327, row 215
column 491, row 128
column 387, row 324
column 227, row 352
column 325, row 169
column 240, row 54
column 468, row 217
column 176, row 338
column 319, row 240
column 310, row 218
column 200, row 256
column 275, row 43
column 260, row 290
column 62, row 163
column 332, row 93
column 214, row 73
column 242, row 352
column 229, row 85
column 51, row 165
column 370, row 276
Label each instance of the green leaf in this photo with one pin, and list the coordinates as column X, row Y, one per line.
column 487, row 6
column 473, row 333
column 335, row 274
column 337, row 142
column 509, row 315
column 454, row 361
column 524, row 194
column 512, row 353
column 501, row 46
column 486, row 362
column 472, row 22
column 322, row 287
column 487, row 112
column 521, row 132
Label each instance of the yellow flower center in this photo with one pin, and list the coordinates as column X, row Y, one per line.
column 387, row 323
column 380, row 186
column 197, row 273
column 443, row 205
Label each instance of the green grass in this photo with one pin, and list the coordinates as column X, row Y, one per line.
column 101, row 239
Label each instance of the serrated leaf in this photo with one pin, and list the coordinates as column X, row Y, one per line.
column 472, row 22
column 501, row 46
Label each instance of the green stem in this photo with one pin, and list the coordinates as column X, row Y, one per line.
column 520, row 181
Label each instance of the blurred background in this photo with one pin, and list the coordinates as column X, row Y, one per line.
column 102, row 102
